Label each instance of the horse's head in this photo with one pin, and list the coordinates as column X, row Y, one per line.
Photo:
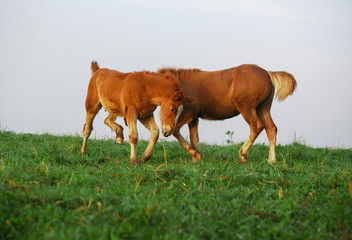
column 170, row 112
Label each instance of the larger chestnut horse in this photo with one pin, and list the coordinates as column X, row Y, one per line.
column 133, row 96
column 247, row 89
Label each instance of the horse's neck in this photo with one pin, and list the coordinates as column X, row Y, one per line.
column 160, row 93
column 158, row 99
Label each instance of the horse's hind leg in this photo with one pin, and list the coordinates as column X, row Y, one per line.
column 256, row 126
column 271, row 131
column 92, row 111
column 93, row 106
column 118, row 129
column 150, row 124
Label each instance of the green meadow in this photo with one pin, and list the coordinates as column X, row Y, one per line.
column 50, row 191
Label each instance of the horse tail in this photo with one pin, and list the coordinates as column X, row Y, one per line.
column 94, row 66
column 284, row 83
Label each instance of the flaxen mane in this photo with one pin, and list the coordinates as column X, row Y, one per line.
column 179, row 73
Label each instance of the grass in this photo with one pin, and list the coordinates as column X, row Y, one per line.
column 50, row 191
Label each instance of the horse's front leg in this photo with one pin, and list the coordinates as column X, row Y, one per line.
column 196, row 156
column 150, row 124
column 118, row 129
column 193, row 132
column 133, row 137
column 189, row 115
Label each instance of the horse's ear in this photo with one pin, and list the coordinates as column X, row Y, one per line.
column 179, row 96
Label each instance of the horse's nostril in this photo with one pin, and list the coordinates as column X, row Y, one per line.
column 166, row 130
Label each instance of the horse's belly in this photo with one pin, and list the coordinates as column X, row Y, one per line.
column 145, row 111
column 120, row 110
column 219, row 113
column 113, row 107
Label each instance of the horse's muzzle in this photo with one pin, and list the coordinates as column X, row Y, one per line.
column 166, row 130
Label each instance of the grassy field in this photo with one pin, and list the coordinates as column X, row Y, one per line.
column 50, row 191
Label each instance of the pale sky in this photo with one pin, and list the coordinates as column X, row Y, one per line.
column 46, row 48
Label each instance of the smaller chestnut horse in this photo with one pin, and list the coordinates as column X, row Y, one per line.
column 133, row 96
column 247, row 90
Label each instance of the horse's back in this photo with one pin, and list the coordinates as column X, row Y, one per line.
column 221, row 92
column 211, row 89
column 120, row 92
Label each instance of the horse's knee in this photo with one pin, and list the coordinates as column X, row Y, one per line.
column 133, row 139
column 133, row 135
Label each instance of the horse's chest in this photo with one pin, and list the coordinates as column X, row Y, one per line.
column 145, row 110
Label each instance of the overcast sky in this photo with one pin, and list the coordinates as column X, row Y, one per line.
column 46, row 48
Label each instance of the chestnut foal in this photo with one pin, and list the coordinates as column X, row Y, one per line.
column 133, row 96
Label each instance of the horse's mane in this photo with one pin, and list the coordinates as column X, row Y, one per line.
column 170, row 77
column 179, row 73
column 160, row 78
column 158, row 81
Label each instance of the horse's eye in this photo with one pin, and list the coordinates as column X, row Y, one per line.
column 172, row 109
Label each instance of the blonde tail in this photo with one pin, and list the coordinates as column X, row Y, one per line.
column 284, row 83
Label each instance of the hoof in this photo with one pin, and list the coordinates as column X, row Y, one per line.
column 196, row 155
column 243, row 157
column 195, row 160
column 271, row 161
column 145, row 159
column 243, row 160
column 119, row 140
column 135, row 162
